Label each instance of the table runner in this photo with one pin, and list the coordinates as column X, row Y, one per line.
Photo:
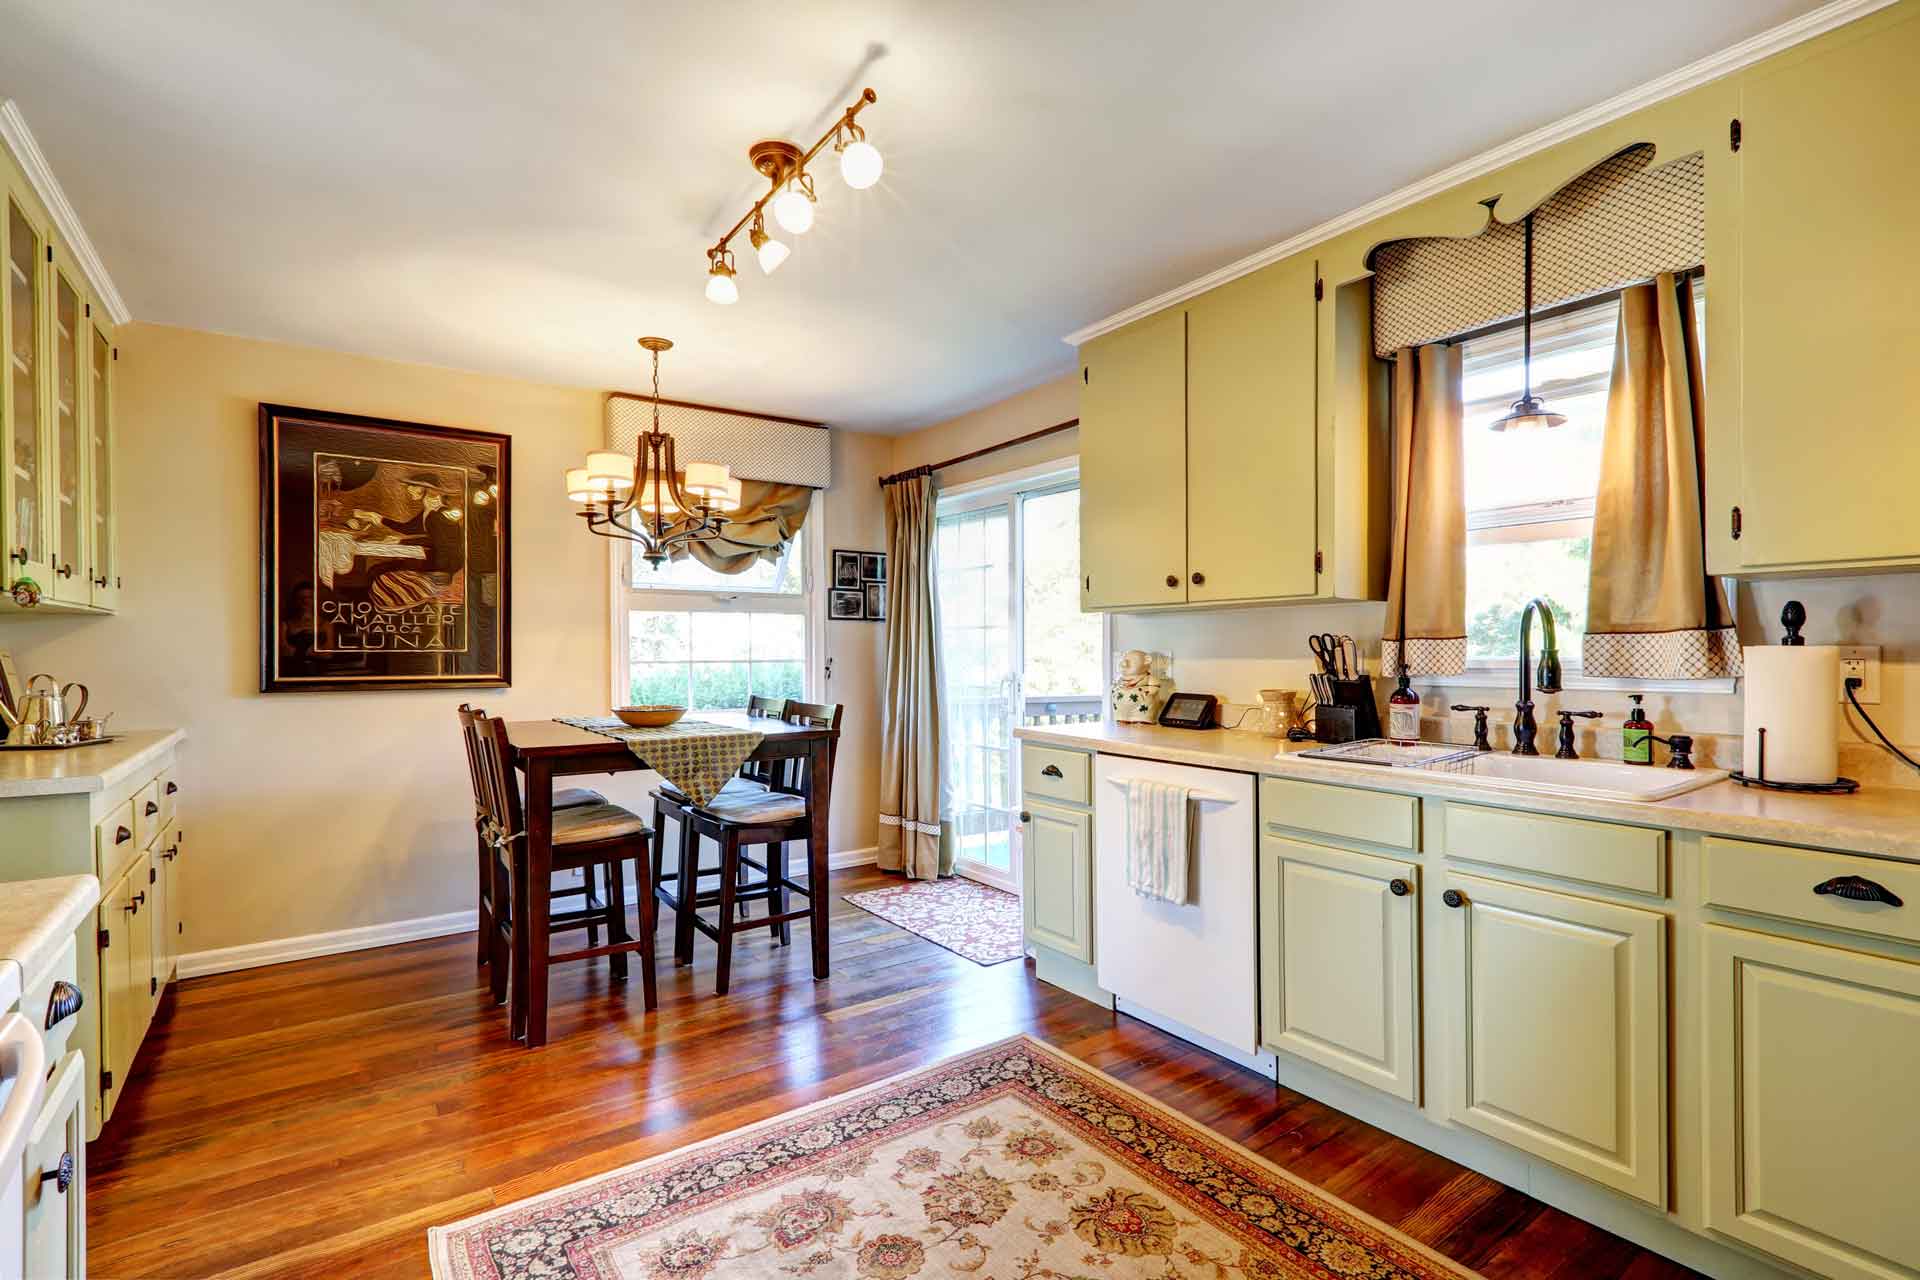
column 696, row 756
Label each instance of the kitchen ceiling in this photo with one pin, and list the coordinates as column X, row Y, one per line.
column 524, row 189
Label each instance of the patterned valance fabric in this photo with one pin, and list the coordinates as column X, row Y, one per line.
column 1618, row 223
column 756, row 448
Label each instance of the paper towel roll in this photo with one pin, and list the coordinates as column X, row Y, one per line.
column 1792, row 691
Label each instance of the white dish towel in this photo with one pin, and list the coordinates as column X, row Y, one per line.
column 1158, row 839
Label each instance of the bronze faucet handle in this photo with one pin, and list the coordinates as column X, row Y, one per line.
column 1566, row 750
column 1480, row 742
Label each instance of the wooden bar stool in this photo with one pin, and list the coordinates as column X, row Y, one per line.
column 745, row 814
column 584, row 836
column 492, row 876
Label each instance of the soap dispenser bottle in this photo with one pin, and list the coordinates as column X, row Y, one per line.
column 1636, row 735
column 1403, row 713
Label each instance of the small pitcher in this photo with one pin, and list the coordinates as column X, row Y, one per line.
column 1280, row 712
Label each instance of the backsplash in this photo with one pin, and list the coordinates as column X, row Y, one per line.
column 1237, row 652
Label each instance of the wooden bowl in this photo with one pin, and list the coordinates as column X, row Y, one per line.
column 649, row 717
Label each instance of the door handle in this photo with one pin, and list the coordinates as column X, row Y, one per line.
column 1052, row 771
column 61, row 1175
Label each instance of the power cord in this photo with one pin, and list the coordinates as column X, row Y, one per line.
column 1854, row 682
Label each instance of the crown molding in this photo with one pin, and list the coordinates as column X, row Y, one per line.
column 1694, row 74
column 33, row 161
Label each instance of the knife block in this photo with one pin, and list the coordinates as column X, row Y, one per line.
column 1351, row 716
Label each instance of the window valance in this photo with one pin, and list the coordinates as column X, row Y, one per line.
column 1618, row 223
column 775, row 450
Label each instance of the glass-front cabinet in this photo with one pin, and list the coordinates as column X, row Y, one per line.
column 58, row 503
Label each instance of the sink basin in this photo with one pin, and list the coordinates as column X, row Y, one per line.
column 1546, row 776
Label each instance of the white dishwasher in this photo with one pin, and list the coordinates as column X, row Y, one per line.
column 1195, row 965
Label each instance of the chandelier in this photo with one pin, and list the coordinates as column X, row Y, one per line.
column 649, row 499
column 790, row 195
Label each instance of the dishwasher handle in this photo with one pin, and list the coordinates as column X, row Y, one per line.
column 1212, row 797
column 23, row 1060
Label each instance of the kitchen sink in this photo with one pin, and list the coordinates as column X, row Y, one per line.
column 1536, row 775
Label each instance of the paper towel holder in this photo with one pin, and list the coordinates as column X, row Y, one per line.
column 1838, row 787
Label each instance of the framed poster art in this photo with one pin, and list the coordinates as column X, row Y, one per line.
column 383, row 554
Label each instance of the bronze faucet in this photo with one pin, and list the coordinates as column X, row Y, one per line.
column 1524, row 727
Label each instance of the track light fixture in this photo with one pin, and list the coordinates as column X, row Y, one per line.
column 790, row 195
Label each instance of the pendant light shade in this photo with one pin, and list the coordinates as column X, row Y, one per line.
column 1528, row 412
column 793, row 208
column 860, row 164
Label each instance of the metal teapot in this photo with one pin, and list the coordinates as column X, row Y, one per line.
column 43, row 711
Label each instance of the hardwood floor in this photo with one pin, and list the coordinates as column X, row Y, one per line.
column 314, row 1119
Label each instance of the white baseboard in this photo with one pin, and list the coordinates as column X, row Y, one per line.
column 254, row 955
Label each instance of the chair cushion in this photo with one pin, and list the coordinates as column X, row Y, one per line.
column 572, row 797
column 588, row 822
column 756, row 806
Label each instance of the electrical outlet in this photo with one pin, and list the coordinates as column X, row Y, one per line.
column 1860, row 662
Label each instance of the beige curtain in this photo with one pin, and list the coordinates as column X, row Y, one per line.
column 911, row 836
column 1426, row 622
column 1652, row 610
column 769, row 515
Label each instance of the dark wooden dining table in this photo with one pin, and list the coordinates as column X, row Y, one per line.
column 546, row 749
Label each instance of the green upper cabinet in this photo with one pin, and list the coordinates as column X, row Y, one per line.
column 103, row 561
column 29, row 549
column 1133, row 465
column 1251, row 527
column 1824, row 438
column 70, row 313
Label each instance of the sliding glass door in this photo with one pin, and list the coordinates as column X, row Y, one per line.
column 1015, row 649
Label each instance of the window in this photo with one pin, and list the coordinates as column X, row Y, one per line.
column 1530, row 494
column 708, row 641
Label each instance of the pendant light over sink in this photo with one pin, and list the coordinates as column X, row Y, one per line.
column 1528, row 412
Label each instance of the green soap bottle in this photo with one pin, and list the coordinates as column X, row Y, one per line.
column 1636, row 735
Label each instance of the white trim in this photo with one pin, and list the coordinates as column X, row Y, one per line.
column 1041, row 475
column 1694, row 74
column 33, row 163
column 197, row 964
column 853, row 858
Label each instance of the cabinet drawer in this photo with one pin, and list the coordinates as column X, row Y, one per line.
column 169, row 799
column 1773, row 880
column 1346, row 812
column 146, row 815
column 115, row 842
column 1632, row 858
column 1056, row 774
column 55, row 1233
column 36, row 1001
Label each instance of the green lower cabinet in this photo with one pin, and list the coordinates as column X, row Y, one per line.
column 1339, row 962
column 1058, row 874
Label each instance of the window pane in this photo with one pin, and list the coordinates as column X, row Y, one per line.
column 720, row 686
column 779, row 680
column 1572, row 362
column 784, row 577
column 778, row 635
column 656, row 637
column 1503, row 576
column 719, row 635
column 1062, row 647
column 659, row 683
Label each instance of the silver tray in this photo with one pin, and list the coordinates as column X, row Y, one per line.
column 58, row 746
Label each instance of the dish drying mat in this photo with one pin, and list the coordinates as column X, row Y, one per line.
column 1390, row 754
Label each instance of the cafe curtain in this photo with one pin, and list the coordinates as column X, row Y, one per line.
column 1653, row 611
column 768, row 517
column 1426, row 620
column 911, row 836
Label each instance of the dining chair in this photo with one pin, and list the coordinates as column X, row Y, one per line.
column 744, row 815
column 584, row 836
column 492, row 874
column 753, row 773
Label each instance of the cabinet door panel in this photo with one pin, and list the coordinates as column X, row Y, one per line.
column 103, row 569
column 1810, row 1052
column 1059, row 885
column 1559, row 1030
column 117, row 1030
column 1830, row 353
column 1252, row 526
column 68, row 455
column 1338, row 972
column 24, row 480
column 1133, row 465
column 56, row 1221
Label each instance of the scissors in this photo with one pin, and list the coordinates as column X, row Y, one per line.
column 1325, row 647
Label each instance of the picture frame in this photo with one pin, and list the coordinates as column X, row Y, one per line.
column 383, row 554
column 847, row 605
column 846, row 569
column 873, row 566
column 876, row 601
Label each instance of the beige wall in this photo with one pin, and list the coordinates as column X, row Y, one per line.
column 855, row 521
column 314, row 812
column 1008, row 419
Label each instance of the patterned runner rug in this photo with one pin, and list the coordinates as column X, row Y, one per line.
column 1015, row 1162
column 964, row 916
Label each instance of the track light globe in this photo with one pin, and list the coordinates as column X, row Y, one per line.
column 722, row 289
column 860, row 165
column 793, row 211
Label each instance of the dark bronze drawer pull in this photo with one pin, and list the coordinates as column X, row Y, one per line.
column 61, row 1175
column 173, row 788
column 121, row 835
column 1454, row 898
column 1398, row 887
column 63, row 1004
column 1858, row 889
column 133, row 903
column 153, row 807
column 1052, row 771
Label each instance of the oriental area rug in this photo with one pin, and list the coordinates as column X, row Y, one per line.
column 1013, row 1162
column 971, row 919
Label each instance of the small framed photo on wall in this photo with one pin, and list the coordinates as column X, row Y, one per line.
column 876, row 602
column 846, row 570
column 847, row 605
column 873, row 566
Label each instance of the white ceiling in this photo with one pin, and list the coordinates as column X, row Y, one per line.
column 524, row 189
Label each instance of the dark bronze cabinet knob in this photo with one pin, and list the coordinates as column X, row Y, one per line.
column 1398, row 887
column 65, row 571
column 1454, row 898
column 61, row 1175
column 1199, row 579
column 1025, row 817
column 1173, row 579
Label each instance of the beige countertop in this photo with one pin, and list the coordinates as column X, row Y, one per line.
column 82, row 769
column 1878, row 820
column 38, row 916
